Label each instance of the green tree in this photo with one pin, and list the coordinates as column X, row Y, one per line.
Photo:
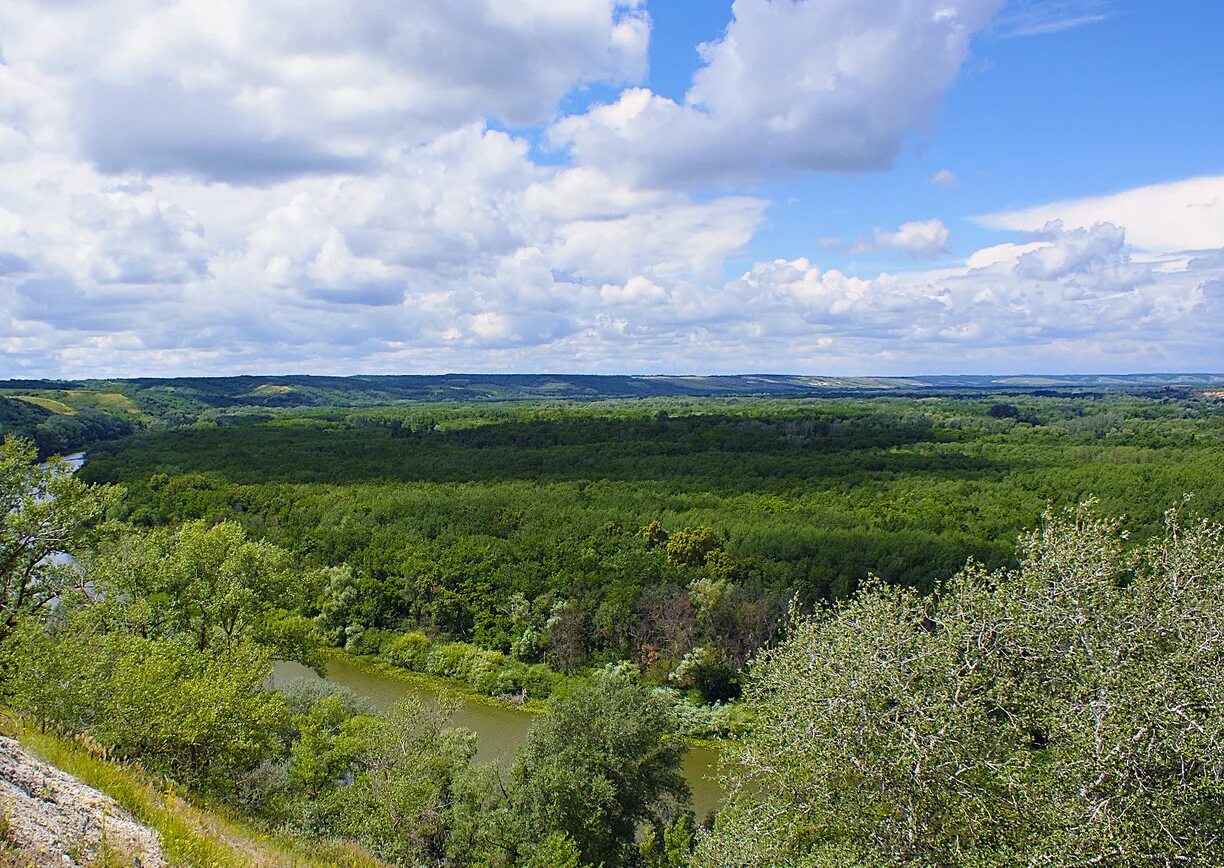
column 210, row 583
column 200, row 718
column 44, row 511
column 692, row 546
column 1068, row 712
column 602, row 762
column 405, row 778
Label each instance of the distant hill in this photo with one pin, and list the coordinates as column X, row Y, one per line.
column 62, row 416
column 159, row 397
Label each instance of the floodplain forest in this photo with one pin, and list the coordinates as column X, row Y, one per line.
column 939, row 629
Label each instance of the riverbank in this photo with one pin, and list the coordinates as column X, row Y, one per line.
column 501, row 727
column 484, row 674
column 376, row 665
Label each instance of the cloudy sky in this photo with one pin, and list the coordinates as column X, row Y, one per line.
column 617, row 186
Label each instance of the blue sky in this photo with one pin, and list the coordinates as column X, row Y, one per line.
column 828, row 186
column 1131, row 99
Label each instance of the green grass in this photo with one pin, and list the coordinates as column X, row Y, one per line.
column 267, row 389
column 193, row 836
column 69, row 401
column 47, row 404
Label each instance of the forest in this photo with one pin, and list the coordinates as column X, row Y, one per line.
column 1019, row 591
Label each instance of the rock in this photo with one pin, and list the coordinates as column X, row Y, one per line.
column 52, row 819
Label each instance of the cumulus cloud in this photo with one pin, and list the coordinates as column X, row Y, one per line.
column 475, row 259
column 1013, row 311
column 1179, row 215
column 249, row 91
column 919, row 238
column 464, row 247
column 244, row 187
column 790, row 86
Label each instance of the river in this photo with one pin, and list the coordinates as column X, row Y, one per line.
column 76, row 460
column 501, row 729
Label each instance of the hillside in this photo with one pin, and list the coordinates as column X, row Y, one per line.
column 53, row 819
column 64, row 805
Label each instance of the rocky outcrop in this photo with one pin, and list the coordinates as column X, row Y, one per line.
column 50, row 818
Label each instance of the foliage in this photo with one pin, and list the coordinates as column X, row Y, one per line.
column 1058, row 711
column 197, row 717
column 514, row 527
column 44, row 512
column 404, row 777
column 209, row 583
column 603, row 761
column 1067, row 712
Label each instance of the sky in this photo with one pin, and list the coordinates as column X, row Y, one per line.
column 839, row 187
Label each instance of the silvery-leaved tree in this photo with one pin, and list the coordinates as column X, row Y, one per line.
column 1068, row 712
column 44, row 511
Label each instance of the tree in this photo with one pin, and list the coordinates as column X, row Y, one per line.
column 603, row 761
column 209, row 583
column 198, row 717
column 1065, row 713
column 405, row 777
column 692, row 546
column 44, row 511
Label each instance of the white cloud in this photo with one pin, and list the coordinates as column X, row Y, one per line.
column 790, row 86
column 1041, row 17
column 1179, row 215
column 248, row 91
column 919, row 238
column 189, row 187
column 464, row 247
column 467, row 257
column 944, row 178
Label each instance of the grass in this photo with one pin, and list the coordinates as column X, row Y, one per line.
column 192, row 836
column 47, row 404
column 114, row 401
column 69, row 401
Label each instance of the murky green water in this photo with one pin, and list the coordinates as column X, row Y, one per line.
column 501, row 729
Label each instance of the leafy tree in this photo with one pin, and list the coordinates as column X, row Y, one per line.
column 669, row 846
column 210, row 583
column 692, row 546
column 603, row 761
column 405, row 778
column 1068, row 712
column 329, row 740
column 558, row 850
column 200, row 718
column 1003, row 410
column 44, row 511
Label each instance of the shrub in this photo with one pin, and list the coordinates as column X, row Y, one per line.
column 408, row 650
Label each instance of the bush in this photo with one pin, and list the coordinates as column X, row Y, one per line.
column 452, row 660
column 489, row 672
column 408, row 650
column 365, row 641
column 1066, row 712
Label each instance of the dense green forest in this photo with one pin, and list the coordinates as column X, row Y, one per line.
column 788, row 572
column 66, row 415
column 660, row 531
